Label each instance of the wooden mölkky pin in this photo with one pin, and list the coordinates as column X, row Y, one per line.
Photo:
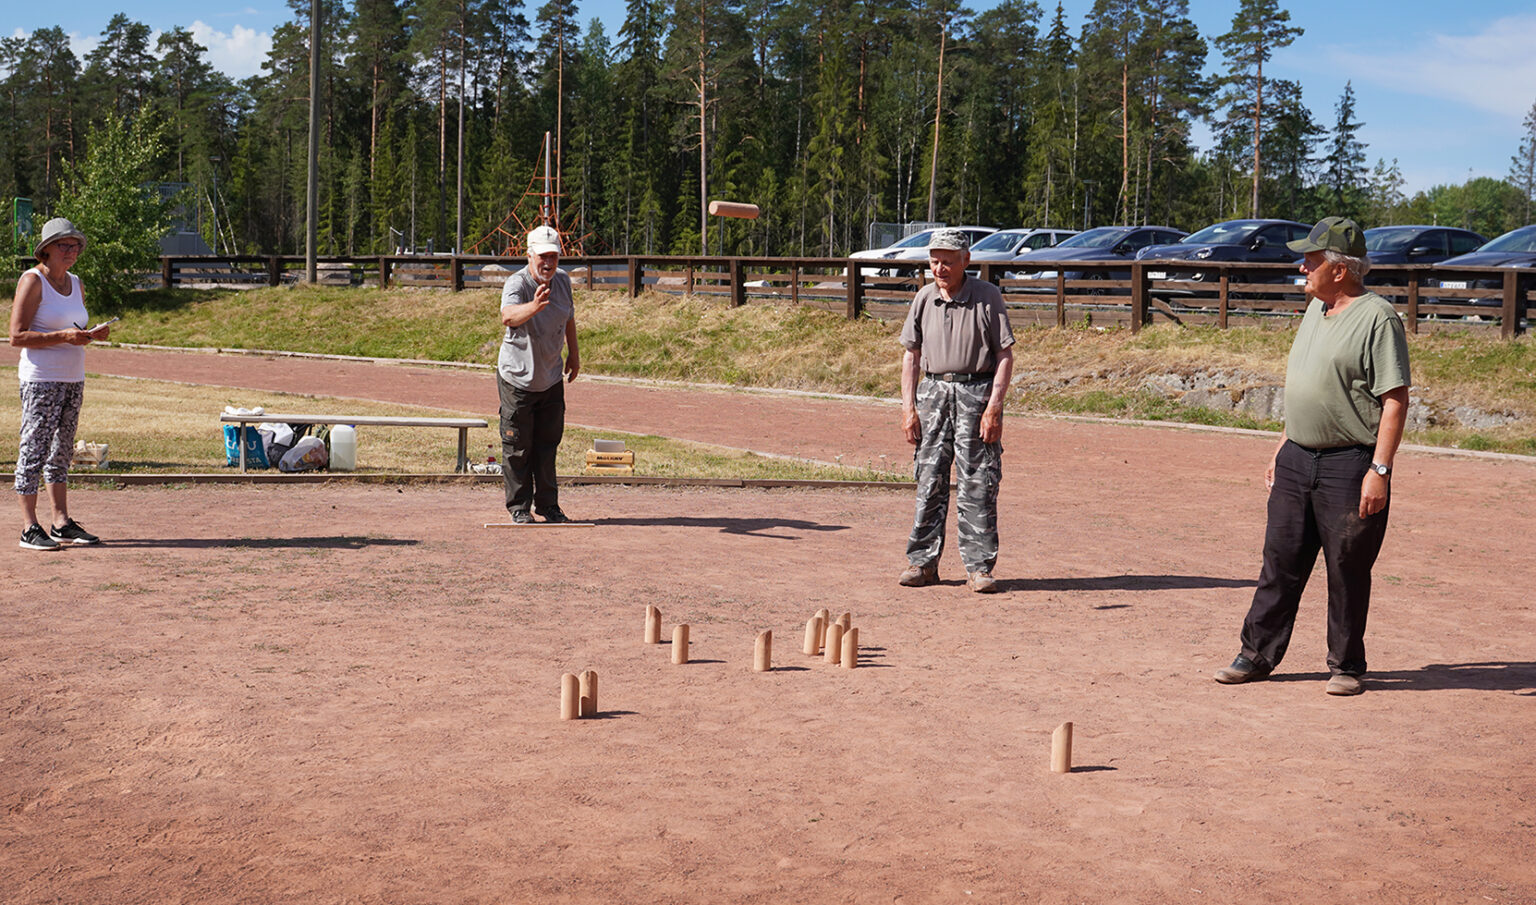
column 588, row 681
column 851, row 649
column 826, row 620
column 834, row 644
column 1061, row 749
column 652, row 624
column 846, row 621
column 570, row 697
column 813, row 629
column 762, row 657
column 680, row 644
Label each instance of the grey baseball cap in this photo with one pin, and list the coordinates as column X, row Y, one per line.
column 1339, row 234
column 953, row 239
column 54, row 230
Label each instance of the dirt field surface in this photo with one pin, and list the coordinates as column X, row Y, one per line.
column 350, row 694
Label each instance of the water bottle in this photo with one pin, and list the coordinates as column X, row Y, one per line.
column 344, row 448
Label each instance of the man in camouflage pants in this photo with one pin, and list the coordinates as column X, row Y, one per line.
column 954, row 374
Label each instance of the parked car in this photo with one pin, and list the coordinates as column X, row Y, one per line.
column 1007, row 244
column 913, row 248
column 1103, row 243
column 1258, row 241
column 1419, row 244
column 1516, row 248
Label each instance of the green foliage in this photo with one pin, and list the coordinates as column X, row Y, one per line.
column 123, row 218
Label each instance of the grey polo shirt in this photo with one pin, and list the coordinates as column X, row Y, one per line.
column 530, row 353
column 962, row 335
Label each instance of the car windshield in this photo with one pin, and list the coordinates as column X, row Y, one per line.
column 1389, row 238
column 1232, row 232
column 1003, row 241
column 1522, row 239
column 916, row 240
column 1102, row 237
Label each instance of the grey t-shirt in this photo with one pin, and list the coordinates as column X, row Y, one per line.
column 1340, row 365
column 962, row 335
column 530, row 353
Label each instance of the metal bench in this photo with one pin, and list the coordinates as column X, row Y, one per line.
column 462, row 424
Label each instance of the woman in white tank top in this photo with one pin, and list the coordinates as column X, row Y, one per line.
column 48, row 324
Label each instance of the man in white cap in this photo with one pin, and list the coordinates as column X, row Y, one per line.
column 540, row 320
column 954, row 375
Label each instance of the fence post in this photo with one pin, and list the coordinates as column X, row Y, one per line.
column 738, row 284
column 384, row 263
column 632, row 266
column 1223, row 299
column 1413, row 301
column 274, row 270
column 853, row 285
column 1061, row 297
column 167, row 272
column 1511, row 320
column 794, row 283
column 456, row 268
column 1138, row 296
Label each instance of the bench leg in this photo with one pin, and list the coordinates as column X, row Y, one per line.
column 240, row 442
column 463, row 465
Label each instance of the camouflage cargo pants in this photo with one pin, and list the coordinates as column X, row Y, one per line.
column 950, row 415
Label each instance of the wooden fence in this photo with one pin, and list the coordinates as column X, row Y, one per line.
column 1133, row 293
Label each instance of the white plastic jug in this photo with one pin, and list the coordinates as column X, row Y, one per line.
column 343, row 447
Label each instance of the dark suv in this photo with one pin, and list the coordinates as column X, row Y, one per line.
column 1516, row 248
column 1258, row 241
column 1419, row 244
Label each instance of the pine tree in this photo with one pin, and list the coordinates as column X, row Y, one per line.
column 1258, row 29
column 1522, row 166
column 1345, row 172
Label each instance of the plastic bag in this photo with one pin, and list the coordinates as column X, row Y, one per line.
column 308, row 453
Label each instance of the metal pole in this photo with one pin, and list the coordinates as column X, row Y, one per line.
column 312, row 226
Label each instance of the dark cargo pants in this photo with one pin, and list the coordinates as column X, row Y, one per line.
column 950, row 416
column 1315, row 505
column 532, row 424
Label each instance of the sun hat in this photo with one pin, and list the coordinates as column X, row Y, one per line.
column 543, row 240
column 952, row 239
column 54, row 230
column 1339, row 234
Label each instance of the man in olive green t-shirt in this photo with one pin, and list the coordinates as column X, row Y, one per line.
column 1346, row 400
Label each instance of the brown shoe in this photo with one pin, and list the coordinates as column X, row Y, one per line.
column 982, row 582
column 919, row 576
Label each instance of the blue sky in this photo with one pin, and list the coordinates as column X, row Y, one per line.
column 1442, row 88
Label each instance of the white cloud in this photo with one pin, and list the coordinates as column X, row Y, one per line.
column 238, row 53
column 1493, row 71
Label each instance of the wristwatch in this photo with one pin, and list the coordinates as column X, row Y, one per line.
column 1381, row 469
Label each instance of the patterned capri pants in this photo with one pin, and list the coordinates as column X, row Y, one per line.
column 50, row 413
column 950, row 415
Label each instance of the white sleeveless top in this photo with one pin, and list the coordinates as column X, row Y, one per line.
column 63, row 363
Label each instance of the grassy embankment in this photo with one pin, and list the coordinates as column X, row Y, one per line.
column 1077, row 370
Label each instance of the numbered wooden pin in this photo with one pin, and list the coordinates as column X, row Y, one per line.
column 851, row 649
column 652, row 625
column 680, row 644
column 813, row 629
column 762, row 659
column 570, row 697
column 589, row 693
column 1061, row 749
column 834, row 644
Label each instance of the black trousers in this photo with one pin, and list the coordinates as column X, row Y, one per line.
column 532, row 424
column 1315, row 506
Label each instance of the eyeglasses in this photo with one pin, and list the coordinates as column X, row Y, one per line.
column 69, row 246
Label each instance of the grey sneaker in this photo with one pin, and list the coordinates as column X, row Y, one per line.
column 919, row 576
column 35, row 538
column 522, row 517
column 1344, row 684
column 71, row 533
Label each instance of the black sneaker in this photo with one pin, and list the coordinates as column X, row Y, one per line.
column 1242, row 670
column 556, row 517
column 522, row 517
column 35, row 538
column 72, row 533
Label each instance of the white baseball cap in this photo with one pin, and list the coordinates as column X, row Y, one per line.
column 543, row 240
